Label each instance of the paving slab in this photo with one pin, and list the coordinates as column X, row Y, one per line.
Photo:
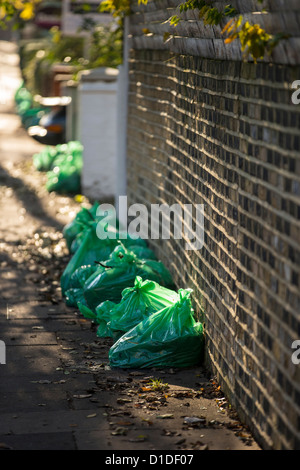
column 45, row 441
column 51, row 421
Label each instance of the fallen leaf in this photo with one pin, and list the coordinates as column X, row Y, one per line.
column 82, row 396
column 46, row 382
column 165, row 416
column 140, row 438
column 4, row 446
column 123, row 400
column 181, row 441
column 194, row 420
column 119, row 432
column 147, row 420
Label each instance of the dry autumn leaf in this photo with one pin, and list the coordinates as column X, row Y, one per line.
column 165, row 416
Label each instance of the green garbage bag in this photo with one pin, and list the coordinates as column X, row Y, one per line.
column 142, row 252
column 168, row 338
column 93, row 223
column 65, row 169
column 81, row 221
column 66, row 177
column 33, row 116
column 43, row 161
column 73, row 147
column 73, row 297
column 19, row 91
column 72, row 152
column 90, row 250
column 101, row 319
column 58, row 155
column 24, row 106
column 22, row 94
column 121, row 269
column 138, row 302
column 81, row 274
column 74, row 293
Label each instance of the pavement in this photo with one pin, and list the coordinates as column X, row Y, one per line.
column 57, row 390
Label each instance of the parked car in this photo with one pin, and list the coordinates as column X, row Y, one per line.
column 51, row 129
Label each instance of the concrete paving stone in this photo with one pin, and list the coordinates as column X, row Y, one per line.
column 30, row 360
column 77, row 383
column 84, row 336
column 12, row 288
column 217, row 439
column 18, row 337
column 45, row 441
column 47, row 324
column 99, row 440
column 53, row 384
column 103, row 400
column 25, row 310
column 52, row 421
column 61, row 324
column 92, row 440
column 32, row 383
column 43, row 399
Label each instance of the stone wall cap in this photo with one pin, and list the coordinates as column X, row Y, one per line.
column 105, row 74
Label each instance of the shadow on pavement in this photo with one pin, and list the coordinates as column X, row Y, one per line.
column 29, row 198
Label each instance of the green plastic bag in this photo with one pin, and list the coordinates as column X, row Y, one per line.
column 57, row 155
column 72, row 152
column 66, row 177
column 142, row 252
column 121, row 269
column 83, row 219
column 168, row 338
column 93, row 224
column 74, row 293
column 81, row 274
column 18, row 92
column 22, row 94
column 33, row 116
column 138, row 302
column 90, row 250
column 43, row 161
column 100, row 318
column 73, row 297
column 24, row 106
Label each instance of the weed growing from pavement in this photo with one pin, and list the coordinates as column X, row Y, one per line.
column 158, row 385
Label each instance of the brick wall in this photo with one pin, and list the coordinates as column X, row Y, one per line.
column 225, row 133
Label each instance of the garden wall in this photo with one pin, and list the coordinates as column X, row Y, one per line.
column 204, row 127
